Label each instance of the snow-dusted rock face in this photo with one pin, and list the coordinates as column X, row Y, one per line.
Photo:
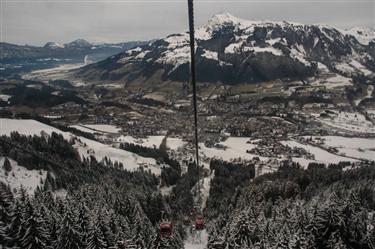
column 54, row 45
column 363, row 35
column 233, row 50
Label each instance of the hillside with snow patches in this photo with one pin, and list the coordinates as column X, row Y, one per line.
column 85, row 147
column 233, row 50
column 19, row 177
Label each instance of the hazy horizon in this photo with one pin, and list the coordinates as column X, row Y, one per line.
column 36, row 22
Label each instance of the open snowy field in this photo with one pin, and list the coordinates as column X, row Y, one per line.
column 150, row 141
column 102, row 128
column 336, row 81
column 349, row 121
column 88, row 147
column 59, row 72
column 361, row 148
column 175, row 143
column 236, row 148
column 20, row 176
column 321, row 156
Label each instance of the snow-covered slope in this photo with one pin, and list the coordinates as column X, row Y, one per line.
column 150, row 141
column 362, row 148
column 364, row 35
column 233, row 50
column 20, row 176
column 321, row 156
column 86, row 148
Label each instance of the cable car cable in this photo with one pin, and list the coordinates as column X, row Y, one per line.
column 193, row 82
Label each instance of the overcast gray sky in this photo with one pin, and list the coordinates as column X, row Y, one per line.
column 36, row 22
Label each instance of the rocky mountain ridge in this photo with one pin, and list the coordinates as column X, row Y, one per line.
column 232, row 50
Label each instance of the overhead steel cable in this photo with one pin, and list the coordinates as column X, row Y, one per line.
column 193, row 82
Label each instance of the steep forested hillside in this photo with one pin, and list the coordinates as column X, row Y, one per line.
column 105, row 206
column 294, row 208
column 84, row 203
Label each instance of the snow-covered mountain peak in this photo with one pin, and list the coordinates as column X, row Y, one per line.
column 231, row 49
column 79, row 43
column 363, row 34
column 54, row 45
column 223, row 18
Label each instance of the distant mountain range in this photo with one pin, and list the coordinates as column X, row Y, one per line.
column 232, row 50
column 75, row 50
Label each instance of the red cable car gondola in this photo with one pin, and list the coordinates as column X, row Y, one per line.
column 199, row 223
column 166, row 229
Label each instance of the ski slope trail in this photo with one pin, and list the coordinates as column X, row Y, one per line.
column 197, row 240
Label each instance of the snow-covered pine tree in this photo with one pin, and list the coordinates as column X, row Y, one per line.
column 6, row 199
column 7, row 166
column 241, row 232
column 115, row 228
column 84, row 223
column 3, row 235
column 15, row 230
column 96, row 239
column 68, row 235
column 35, row 235
column 142, row 227
column 103, row 225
